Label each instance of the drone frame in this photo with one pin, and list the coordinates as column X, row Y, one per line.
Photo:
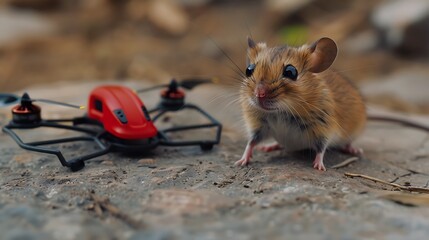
column 204, row 144
column 74, row 164
column 107, row 142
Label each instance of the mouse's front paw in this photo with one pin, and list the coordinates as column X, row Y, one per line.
column 242, row 162
column 319, row 166
column 318, row 162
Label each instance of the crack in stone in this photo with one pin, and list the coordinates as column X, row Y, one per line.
column 404, row 175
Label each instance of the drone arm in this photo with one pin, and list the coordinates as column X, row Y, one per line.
column 161, row 112
column 54, row 124
column 62, row 140
column 205, row 144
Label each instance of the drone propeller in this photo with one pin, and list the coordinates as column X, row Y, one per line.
column 58, row 103
column 188, row 84
column 8, row 99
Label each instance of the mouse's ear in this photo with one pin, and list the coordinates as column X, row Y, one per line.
column 250, row 42
column 323, row 53
column 253, row 49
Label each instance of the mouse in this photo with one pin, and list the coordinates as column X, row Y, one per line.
column 292, row 95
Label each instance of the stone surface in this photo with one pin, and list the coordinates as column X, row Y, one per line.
column 16, row 25
column 35, row 4
column 403, row 25
column 401, row 90
column 168, row 16
column 286, row 7
column 184, row 193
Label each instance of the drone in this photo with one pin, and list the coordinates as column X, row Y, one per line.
column 116, row 121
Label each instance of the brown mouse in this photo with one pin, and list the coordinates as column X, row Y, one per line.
column 291, row 95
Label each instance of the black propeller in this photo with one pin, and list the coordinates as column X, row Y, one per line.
column 8, row 99
column 188, row 84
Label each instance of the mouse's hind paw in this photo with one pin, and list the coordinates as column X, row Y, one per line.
column 269, row 147
column 349, row 149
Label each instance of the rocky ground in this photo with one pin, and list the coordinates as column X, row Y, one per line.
column 184, row 193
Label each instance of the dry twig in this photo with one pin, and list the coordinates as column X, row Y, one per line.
column 397, row 186
column 345, row 162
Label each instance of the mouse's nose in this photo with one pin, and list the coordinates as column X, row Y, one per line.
column 261, row 91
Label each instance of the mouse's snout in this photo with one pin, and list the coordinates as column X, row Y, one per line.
column 263, row 97
column 261, row 91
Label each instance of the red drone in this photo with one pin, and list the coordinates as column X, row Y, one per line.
column 124, row 123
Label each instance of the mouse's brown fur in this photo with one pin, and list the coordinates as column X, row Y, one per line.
column 319, row 109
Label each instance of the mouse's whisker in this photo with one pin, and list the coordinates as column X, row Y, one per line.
column 238, row 70
column 223, row 97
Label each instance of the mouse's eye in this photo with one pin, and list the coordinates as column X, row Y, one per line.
column 290, row 72
column 250, row 69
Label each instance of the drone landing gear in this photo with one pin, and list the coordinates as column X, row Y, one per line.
column 75, row 164
column 205, row 145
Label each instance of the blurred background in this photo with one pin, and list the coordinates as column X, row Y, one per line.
column 384, row 44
